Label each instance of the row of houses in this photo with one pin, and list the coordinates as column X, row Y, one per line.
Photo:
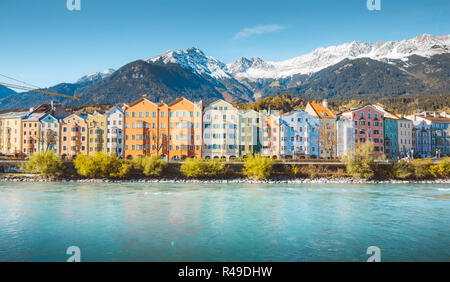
column 186, row 129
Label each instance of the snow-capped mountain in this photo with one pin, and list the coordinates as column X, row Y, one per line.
column 424, row 45
column 96, row 76
column 193, row 58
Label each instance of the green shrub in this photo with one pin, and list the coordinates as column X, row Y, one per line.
column 257, row 167
column 47, row 164
column 441, row 170
column 295, row 170
column 402, row 170
column 101, row 165
column 195, row 168
column 422, row 169
column 361, row 162
column 151, row 166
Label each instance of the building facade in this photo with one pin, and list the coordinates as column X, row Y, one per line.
column 345, row 136
column 220, row 131
column 327, row 129
column 74, row 136
column 97, row 133
column 114, row 131
column 368, row 125
column 299, row 135
column 49, row 134
column 250, row 133
column 270, row 123
column 391, row 138
column 435, row 129
column 11, row 132
column 405, row 138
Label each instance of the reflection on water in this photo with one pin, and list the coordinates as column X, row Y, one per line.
column 223, row 222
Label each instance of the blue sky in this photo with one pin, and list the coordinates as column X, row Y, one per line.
column 44, row 43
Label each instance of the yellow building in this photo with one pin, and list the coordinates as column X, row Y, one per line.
column 11, row 132
column 97, row 133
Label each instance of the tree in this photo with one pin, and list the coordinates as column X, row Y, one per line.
column 361, row 162
column 327, row 138
column 47, row 164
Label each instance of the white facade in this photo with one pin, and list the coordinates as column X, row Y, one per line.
column 299, row 135
column 49, row 134
column 114, row 131
column 345, row 136
column 405, row 136
column 220, row 131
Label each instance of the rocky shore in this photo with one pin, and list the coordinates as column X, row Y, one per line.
column 34, row 178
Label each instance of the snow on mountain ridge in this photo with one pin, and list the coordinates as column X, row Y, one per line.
column 195, row 59
column 96, row 76
column 423, row 45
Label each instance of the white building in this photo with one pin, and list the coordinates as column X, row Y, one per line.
column 114, row 131
column 220, row 131
column 345, row 136
column 405, row 137
column 299, row 135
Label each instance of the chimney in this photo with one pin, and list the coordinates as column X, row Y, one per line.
column 325, row 103
column 31, row 109
column 144, row 95
column 435, row 114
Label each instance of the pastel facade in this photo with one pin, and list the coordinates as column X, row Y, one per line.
column 405, row 138
column 368, row 124
column 31, row 133
column 11, row 132
column 299, row 136
column 74, row 136
column 173, row 131
column 327, row 129
column 221, row 131
column 185, row 129
column 270, row 122
column 391, row 138
column 249, row 133
column 345, row 136
column 97, row 133
column 114, row 131
column 49, row 135
column 434, row 129
column 141, row 129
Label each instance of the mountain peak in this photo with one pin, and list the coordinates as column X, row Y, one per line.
column 96, row 76
column 193, row 58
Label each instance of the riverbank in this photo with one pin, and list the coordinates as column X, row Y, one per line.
column 346, row 180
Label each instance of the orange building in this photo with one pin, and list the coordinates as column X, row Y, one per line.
column 74, row 136
column 172, row 131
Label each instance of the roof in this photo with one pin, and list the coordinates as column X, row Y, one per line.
column 14, row 115
column 386, row 113
column 438, row 119
column 322, row 111
column 35, row 116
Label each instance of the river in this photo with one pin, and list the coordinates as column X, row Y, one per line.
column 224, row 222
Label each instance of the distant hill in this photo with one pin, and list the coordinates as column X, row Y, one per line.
column 4, row 92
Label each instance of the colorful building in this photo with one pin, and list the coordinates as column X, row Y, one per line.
column 270, row 123
column 345, row 136
column 220, row 131
column 74, row 136
column 249, row 133
column 11, row 132
column 49, row 135
column 432, row 134
column 185, row 129
column 97, row 133
column 299, row 135
column 368, row 123
column 173, row 131
column 114, row 131
column 391, row 137
column 327, row 128
column 405, row 138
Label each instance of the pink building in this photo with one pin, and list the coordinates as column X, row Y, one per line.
column 368, row 126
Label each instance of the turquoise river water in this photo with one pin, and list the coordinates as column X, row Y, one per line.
column 224, row 222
